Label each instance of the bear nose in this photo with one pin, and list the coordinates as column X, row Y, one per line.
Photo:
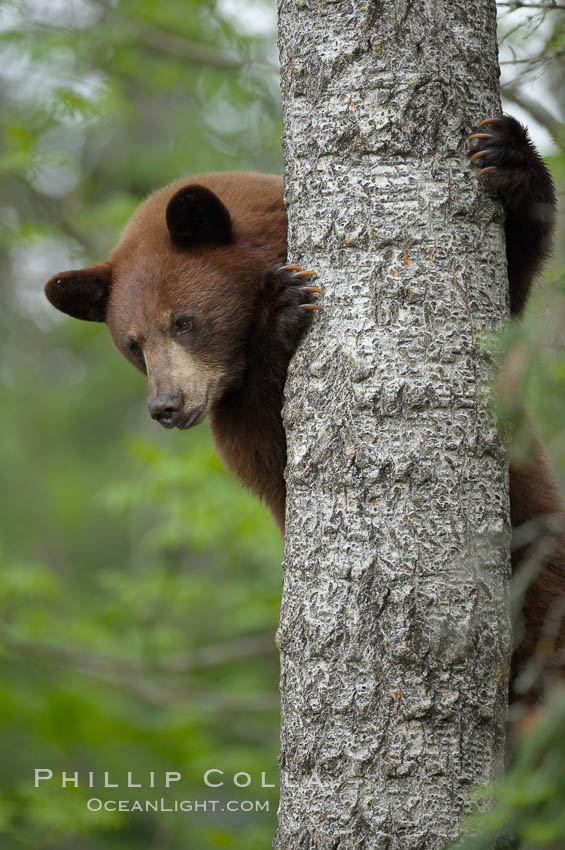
column 164, row 406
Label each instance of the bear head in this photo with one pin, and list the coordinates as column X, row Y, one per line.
column 179, row 290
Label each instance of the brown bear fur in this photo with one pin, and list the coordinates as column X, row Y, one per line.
column 195, row 293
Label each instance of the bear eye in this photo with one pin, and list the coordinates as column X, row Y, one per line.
column 183, row 324
column 135, row 350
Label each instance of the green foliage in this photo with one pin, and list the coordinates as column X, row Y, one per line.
column 139, row 583
column 528, row 802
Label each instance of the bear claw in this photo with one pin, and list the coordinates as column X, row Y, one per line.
column 313, row 289
column 307, row 273
column 286, row 306
column 488, row 121
column 505, row 154
column 488, row 170
column 300, row 272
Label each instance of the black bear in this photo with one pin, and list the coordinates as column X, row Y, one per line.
column 196, row 294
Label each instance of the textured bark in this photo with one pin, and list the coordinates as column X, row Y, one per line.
column 394, row 632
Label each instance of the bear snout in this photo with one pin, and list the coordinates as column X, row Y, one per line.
column 167, row 408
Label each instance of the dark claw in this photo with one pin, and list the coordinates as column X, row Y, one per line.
column 488, row 170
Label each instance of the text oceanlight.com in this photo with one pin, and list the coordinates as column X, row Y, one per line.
column 97, row 805
column 167, row 780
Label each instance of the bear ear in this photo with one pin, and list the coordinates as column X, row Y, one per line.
column 196, row 215
column 81, row 293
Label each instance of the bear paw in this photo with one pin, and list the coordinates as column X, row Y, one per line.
column 509, row 162
column 287, row 306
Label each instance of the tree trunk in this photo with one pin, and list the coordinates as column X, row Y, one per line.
column 395, row 628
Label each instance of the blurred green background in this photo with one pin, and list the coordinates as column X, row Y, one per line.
column 139, row 584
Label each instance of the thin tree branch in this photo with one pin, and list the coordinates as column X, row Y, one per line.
column 219, row 653
column 164, row 41
column 546, row 7
column 188, row 51
column 173, row 665
column 536, row 109
column 132, row 676
column 52, row 211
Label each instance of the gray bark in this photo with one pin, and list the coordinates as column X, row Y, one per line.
column 394, row 633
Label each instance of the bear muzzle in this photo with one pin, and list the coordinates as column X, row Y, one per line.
column 168, row 409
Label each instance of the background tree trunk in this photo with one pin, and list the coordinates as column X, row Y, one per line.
column 395, row 630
